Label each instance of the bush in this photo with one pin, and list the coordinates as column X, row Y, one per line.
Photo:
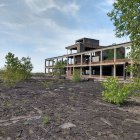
column 136, row 87
column 114, row 92
column 16, row 70
column 76, row 76
column 11, row 78
column 59, row 68
column 45, row 120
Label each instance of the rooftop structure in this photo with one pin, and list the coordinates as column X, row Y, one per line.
column 84, row 44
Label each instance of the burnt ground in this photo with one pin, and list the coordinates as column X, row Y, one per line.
column 37, row 110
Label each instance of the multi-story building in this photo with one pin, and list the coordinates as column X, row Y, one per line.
column 93, row 60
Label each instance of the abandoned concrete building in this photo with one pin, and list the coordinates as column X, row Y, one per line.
column 93, row 60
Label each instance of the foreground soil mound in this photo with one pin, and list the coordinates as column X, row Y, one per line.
column 44, row 109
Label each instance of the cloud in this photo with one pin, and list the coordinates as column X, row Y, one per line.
column 105, row 6
column 44, row 13
column 38, row 6
column 43, row 28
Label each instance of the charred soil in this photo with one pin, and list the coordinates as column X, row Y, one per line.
column 45, row 109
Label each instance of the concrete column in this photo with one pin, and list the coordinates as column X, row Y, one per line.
column 48, row 70
column 70, row 71
column 81, row 71
column 52, row 71
column 73, row 60
column 53, row 62
column 90, row 58
column 101, row 56
column 45, row 66
column 101, row 71
column 90, row 72
column 131, row 73
column 124, row 72
column 90, row 66
column 49, row 63
column 114, row 70
column 70, row 51
column 81, row 59
column 114, row 54
column 67, row 65
column 45, row 70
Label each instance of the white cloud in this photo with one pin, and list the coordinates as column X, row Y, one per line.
column 45, row 36
column 38, row 6
column 105, row 5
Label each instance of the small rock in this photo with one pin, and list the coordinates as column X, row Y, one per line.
column 106, row 121
column 8, row 138
column 20, row 133
column 31, row 131
column 70, row 89
column 58, row 130
column 67, row 125
column 114, row 137
column 136, row 135
column 99, row 134
column 56, row 90
column 26, row 123
column 61, row 87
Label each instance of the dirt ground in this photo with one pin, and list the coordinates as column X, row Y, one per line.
column 61, row 110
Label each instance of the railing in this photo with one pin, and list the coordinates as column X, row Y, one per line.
column 99, row 62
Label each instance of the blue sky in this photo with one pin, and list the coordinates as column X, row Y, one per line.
column 43, row 28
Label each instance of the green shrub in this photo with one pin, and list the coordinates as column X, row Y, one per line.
column 16, row 70
column 114, row 92
column 46, row 120
column 59, row 68
column 76, row 76
column 47, row 84
column 136, row 87
column 11, row 78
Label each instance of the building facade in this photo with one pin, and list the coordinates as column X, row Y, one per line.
column 93, row 60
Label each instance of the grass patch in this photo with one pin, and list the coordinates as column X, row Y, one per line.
column 45, row 120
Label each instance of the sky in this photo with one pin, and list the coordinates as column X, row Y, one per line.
column 43, row 28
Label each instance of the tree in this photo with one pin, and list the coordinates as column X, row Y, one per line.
column 59, row 68
column 16, row 70
column 126, row 18
column 26, row 67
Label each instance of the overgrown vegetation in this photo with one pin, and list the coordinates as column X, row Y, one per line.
column 76, row 76
column 136, row 87
column 59, row 68
column 47, row 84
column 125, row 16
column 16, row 70
column 126, row 19
column 114, row 92
column 45, row 120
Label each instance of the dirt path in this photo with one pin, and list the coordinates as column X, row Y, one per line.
column 74, row 112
